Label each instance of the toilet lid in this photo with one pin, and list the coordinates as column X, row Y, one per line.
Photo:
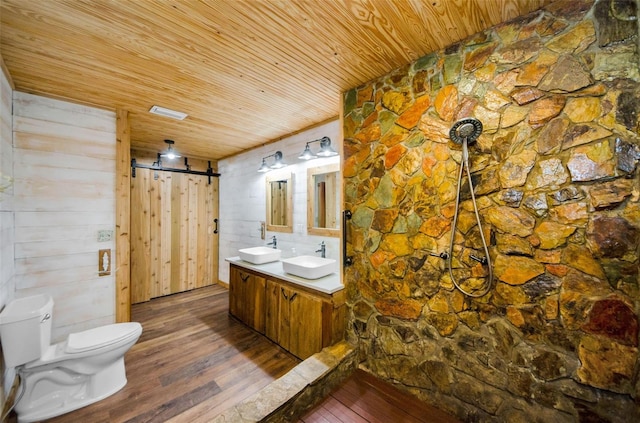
column 102, row 336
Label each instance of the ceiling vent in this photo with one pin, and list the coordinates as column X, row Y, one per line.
column 157, row 110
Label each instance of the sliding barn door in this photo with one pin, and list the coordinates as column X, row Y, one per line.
column 174, row 241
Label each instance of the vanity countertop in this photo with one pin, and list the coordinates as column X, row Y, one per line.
column 328, row 284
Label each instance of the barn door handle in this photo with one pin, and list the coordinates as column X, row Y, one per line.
column 215, row 222
column 346, row 260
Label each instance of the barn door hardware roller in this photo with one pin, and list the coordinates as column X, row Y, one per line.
column 159, row 167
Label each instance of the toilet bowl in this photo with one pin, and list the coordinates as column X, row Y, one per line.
column 55, row 379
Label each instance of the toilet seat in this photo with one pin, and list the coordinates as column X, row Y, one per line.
column 100, row 337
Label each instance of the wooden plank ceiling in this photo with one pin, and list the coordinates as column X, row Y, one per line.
column 247, row 72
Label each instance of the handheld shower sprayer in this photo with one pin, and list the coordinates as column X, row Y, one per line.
column 463, row 132
column 468, row 129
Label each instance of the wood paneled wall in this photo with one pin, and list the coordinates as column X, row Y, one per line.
column 173, row 244
column 6, row 192
column 64, row 193
column 6, row 214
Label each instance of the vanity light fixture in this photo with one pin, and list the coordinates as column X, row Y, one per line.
column 264, row 167
column 278, row 162
column 325, row 149
column 307, row 154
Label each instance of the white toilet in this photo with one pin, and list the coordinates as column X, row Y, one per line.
column 85, row 368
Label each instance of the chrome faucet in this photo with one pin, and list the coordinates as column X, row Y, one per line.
column 322, row 250
column 274, row 242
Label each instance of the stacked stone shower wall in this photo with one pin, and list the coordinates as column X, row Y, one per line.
column 557, row 184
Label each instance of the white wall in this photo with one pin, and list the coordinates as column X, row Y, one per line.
column 243, row 197
column 64, row 192
column 7, row 269
column 6, row 194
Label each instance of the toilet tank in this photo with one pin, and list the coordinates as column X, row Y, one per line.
column 25, row 329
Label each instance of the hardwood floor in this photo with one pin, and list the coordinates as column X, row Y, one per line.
column 363, row 398
column 193, row 361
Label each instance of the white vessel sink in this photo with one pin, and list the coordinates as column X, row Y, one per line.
column 309, row 267
column 260, row 255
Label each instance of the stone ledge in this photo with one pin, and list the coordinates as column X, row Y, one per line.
column 288, row 397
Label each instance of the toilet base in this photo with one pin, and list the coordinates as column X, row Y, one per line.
column 54, row 391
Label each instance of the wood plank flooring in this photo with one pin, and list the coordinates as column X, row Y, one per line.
column 193, row 361
column 362, row 398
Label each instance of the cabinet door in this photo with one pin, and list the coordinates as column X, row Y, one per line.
column 305, row 324
column 284, row 317
column 247, row 298
column 236, row 292
column 297, row 326
column 254, row 296
column 272, row 314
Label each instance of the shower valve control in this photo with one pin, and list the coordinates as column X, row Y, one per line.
column 481, row 260
column 443, row 255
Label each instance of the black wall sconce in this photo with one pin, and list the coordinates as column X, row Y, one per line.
column 278, row 162
column 325, row 150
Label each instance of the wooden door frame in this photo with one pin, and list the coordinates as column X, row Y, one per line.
column 123, row 215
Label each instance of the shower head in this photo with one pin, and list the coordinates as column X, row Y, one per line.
column 467, row 128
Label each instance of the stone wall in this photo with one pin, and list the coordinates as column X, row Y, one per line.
column 557, row 186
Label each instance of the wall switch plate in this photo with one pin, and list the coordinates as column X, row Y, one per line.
column 104, row 262
column 105, row 235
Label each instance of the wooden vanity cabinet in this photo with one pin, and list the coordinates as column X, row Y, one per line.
column 299, row 319
column 247, row 297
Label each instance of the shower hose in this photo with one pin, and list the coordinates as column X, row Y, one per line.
column 487, row 259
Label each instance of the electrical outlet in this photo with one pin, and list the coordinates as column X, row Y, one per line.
column 105, row 235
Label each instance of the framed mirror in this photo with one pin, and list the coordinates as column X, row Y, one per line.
column 279, row 190
column 323, row 200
